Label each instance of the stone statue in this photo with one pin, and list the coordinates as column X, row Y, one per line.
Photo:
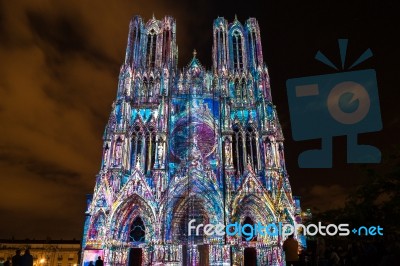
column 118, row 153
column 160, row 153
column 228, row 154
column 138, row 162
column 106, row 152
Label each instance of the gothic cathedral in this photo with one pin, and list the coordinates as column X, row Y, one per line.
column 189, row 144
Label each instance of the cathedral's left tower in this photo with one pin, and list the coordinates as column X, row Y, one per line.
column 132, row 177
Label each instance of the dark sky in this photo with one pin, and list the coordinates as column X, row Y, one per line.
column 59, row 65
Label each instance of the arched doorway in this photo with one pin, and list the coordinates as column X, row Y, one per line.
column 204, row 254
column 137, row 235
column 135, row 257
column 250, row 257
column 186, row 210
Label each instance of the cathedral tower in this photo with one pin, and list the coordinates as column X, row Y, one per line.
column 189, row 145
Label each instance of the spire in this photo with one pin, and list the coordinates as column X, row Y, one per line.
column 195, row 67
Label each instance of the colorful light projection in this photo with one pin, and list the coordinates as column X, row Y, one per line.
column 91, row 256
column 189, row 144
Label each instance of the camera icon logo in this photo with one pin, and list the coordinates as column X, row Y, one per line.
column 342, row 92
column 338, row 104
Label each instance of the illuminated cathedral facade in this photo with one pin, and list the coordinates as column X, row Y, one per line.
column 191, row 143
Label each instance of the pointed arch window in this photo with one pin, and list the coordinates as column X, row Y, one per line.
column 150, row 149
column 137, row 146
column 220, row 47
column 252, row 37
column 151, row 48
column 252, row 147
column 136, row 45
column 137, row 232
column 238, row 89
column 143, row 148
column 106, row 154
column 244, row 148
column 167, row 45
column 268, row 152
column 118, row 113
column 244, row 88
column 138, row 33
column 118, row 152
column 281, row 158
column 132, row 45
column 150, row 90
column 134, row 35
column 238, row 150
column 145, row 89
column 237, row 50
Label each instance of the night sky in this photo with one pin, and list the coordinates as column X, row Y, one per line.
column 59, row 66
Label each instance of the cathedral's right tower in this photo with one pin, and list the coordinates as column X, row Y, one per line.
column 189, row 144
column 257, row 184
